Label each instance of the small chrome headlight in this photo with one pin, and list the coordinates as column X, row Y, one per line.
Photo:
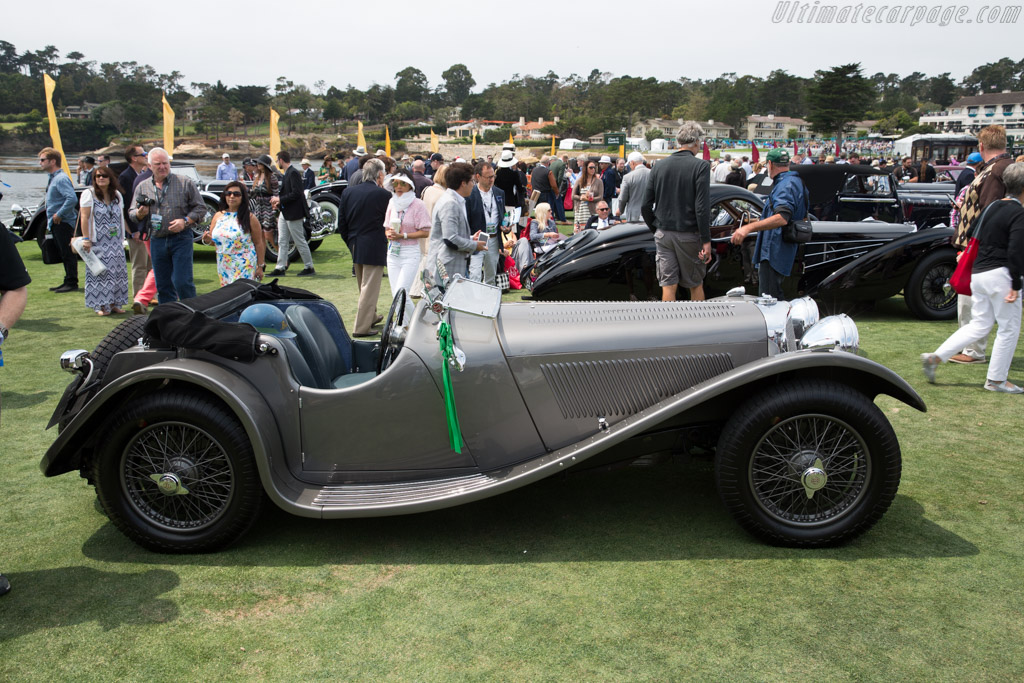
column 832, row 332
column 804, row 314
column 75, row 361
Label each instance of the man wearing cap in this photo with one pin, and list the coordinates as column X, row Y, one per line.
column 787, row 201
column 507, row 179
column 308, row 177
column 249, row 169
column 973, row 161
column 677, row 209
column 352, row 165
column 436, row 160
column 633, row 186
column 608, row 177
column 226, row 170
column 485, row 209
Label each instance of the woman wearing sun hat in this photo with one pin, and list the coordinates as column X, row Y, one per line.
column 405, row 222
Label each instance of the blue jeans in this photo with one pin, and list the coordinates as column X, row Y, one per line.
column 557, row 210
column 172, row 266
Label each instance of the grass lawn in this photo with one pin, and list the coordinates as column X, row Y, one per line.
column 637, row 574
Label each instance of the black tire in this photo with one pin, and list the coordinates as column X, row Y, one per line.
column 803, row 437
column 207, row 491
column 925, row 291
column 293, row 251
column 124, row 336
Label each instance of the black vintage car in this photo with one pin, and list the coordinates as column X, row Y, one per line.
column 846, row 265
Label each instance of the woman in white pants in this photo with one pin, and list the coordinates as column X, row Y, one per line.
column 995, row 287
column 405, row 221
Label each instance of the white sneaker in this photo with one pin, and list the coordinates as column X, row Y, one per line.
column 929, row 361
column 1004, row 387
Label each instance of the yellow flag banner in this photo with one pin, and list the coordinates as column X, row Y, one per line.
column 622, row 151
column 48, row 85
column 168, row 127
column 435, row 146
column 275, row 134
column 387, row 141
column 360, row 139
column 552, row 144
column 510, row 140
column 473, row 153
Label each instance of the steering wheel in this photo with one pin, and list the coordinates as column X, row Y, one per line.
column 391, row 343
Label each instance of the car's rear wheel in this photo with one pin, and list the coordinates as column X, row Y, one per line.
column 808, row 463
column 175, row 473
column 926, row 292
column 124, row 336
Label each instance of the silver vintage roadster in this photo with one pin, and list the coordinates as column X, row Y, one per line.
column 186, row 422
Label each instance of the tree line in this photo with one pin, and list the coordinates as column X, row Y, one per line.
column 128, row 94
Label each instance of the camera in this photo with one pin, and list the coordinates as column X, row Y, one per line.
column 145, row 201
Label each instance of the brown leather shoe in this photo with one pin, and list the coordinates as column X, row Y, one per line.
column 964, row 359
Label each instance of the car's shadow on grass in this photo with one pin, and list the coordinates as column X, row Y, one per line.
column 630, row 515
column 29, row 324
column 12, row 400
column 55, row 598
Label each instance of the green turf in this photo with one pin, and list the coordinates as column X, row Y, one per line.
column 637, row 574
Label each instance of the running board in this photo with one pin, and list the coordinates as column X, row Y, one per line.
column 351, row 497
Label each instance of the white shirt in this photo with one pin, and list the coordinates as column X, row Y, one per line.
column 722, row 170
column 490, row 206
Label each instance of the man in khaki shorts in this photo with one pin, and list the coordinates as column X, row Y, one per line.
column 677, row 209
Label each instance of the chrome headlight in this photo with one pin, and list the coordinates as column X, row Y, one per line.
column 804, row 314
column 833, row 332
column 75, row 361
column 776, row 319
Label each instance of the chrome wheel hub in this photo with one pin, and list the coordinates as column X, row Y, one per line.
column 814, row 478
column 169, row 484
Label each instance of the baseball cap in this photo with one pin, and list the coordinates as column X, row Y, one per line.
column 974, row 158
column 225, row 155
column 436, row 156
column 778, row 156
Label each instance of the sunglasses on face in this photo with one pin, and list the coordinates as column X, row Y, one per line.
column 232, row 193
column 602, row 208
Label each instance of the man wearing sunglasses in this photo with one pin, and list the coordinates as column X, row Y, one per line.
column 602, row 219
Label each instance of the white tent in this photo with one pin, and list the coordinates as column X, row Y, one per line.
column 572, row 143
column 901, row 147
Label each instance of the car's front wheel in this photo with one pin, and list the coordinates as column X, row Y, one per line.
column 175, row 473
column 808, row 463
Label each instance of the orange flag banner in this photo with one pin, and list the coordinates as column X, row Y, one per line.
column 168, row 126
column 48, row 85
column 275, row 134
column 387, row 141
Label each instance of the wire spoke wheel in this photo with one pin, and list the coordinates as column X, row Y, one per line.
column 177, row 476
column 802, row 447
column 807, row 463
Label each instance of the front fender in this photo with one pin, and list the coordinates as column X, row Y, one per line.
column 247, row 404
column 883, row 271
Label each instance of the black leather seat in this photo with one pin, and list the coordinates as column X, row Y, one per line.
column 328, row 369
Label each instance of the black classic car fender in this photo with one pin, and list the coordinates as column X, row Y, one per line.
column 916, row 264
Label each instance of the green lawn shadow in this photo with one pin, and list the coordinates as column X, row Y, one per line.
column 630, row 515
column 84, row 594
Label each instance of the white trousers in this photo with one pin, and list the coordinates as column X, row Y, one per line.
column 988, row 308
column 403, row 268
column 963, row 316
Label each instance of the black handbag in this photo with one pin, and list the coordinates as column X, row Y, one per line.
column 51, row 252
column 799, row 232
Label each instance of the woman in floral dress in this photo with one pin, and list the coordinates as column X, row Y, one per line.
column 238, row 237
column 103, row 228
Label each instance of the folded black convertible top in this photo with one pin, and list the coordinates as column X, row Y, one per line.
column 196, row 323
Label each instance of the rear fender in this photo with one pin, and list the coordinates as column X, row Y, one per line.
column 884, row 268
column 247, row 404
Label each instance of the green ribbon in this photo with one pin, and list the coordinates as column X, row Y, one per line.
column 444, row 334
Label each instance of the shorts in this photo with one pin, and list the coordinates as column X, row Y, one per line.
column 679, row 258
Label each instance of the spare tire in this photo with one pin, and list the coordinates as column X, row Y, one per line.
column 124, row 336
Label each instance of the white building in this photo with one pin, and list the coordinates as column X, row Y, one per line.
column 773, row 127
column 971, row 114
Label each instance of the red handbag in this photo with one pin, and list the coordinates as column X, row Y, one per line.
column 960, row 280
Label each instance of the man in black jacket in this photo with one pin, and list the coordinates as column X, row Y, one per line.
column 292, row 202
column 485, row 210
column 677, row 210
column 361, row 224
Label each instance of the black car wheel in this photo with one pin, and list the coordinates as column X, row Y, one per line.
column 175, row 473
column 293, row 251
column 201, row 227
column 927, row 293
column 124, row 336
column 808, row 464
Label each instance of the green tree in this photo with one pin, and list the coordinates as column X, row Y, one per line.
column 654, row 133
column 458, row 81
column 1005, row 74
column 411, row 85
column 838, row 97
column 941, row 90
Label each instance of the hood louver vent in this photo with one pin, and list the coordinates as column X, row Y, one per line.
column 606, row 388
